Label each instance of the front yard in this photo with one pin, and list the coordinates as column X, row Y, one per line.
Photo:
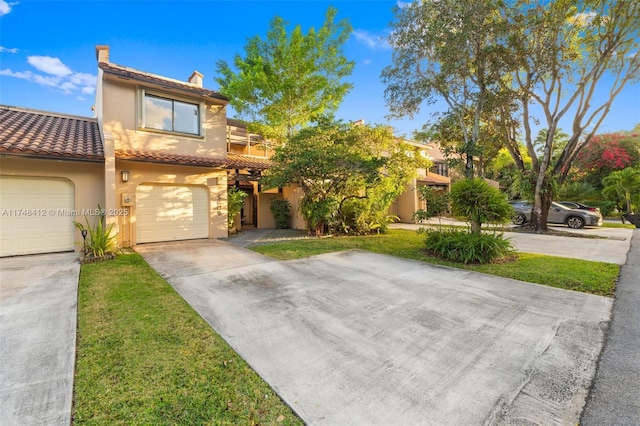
column 144, row 356
column 570, row 274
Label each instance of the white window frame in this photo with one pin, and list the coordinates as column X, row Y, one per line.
column 143, row 92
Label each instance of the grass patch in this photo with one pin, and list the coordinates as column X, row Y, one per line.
column 571, row 274
column 145, row 357
column 618, row 225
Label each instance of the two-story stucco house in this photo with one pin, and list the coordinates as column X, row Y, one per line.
column 165, row 149
column 156, row 158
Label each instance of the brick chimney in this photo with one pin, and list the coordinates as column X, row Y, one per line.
column 102, row 53
column 196, row 78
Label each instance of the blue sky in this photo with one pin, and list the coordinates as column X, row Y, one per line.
column 47, row 49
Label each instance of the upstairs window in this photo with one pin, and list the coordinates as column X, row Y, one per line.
column 170, row 115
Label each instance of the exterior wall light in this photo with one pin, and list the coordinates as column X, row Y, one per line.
column 125, row 175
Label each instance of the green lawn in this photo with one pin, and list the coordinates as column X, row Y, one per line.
column 618, row 225
column 572, row 274
column 145, row 357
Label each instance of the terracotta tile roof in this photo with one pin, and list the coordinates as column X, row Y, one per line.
column 435, row 179
column 237, row 161
column 232, row 161
column 170, row 83
column 43, row 134
column 167, row 158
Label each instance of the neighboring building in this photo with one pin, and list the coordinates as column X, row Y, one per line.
column 409, row 201
column 51, row 168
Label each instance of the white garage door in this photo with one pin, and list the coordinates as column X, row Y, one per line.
column 166, row 213
column 35, row 215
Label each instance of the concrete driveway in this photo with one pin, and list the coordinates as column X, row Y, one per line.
column 38, row 305
column 362, row 338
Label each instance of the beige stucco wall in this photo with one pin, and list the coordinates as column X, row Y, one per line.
column 265, row 217
column 87, row 179
column 407, row 203
column 294, row 194
column 120, row 110
column 149, row 173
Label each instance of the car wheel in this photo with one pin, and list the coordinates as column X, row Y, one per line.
column 519, row 219
column 575, row 222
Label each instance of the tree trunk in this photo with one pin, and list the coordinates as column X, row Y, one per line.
column 476, row 227
column 539, row 219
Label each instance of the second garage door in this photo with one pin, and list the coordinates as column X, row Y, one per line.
column 167, row 213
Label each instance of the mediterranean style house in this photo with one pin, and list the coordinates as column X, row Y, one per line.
column 158, row 158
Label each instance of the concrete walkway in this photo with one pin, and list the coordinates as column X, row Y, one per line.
column 615, row 395
column 38, row 305
column 360, row 338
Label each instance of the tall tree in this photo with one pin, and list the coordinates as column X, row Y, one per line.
column 447, row 49
column 289, row 79
column 566, row 51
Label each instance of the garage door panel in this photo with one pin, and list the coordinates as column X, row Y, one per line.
column 33, row 219
column 166, row 213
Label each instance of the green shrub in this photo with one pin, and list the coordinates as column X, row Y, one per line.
column 361, row 216
column 317, row 213
column 477, row 201
column 464, row 247
column 280, row 209
column 100, row 239
column 235, row 202
column 437, row 201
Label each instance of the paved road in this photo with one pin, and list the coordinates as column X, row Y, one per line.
column 362, row 338
column 615, row 396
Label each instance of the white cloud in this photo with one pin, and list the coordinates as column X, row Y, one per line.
column 26, row 75
column 371, row 40
column 5, row 7
column 8, row 50
column 403, row 4
column 366, row 61
column 67, row 87
column 83, row 79
column 58, row 76
column 53, row 66
column 46, row 80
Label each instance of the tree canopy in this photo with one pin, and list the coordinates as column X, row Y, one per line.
column 447, row 49
column 556, row 55
column 290, row 78
column 337, row 164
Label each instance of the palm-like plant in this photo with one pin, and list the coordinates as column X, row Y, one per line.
column 577, row 191
column 622, row 184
